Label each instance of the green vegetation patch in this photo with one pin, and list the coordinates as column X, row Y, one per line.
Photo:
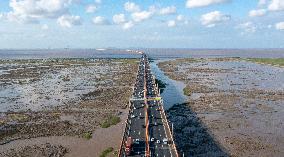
column 272, row 61
column 187, row 91
column 87, row 135
column 18, row 117
column 111, row 120
column 106, row 152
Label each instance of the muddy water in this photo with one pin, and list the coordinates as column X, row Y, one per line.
column 50, row 91
column 240, row 75
column 237, row 108
column 173, row 93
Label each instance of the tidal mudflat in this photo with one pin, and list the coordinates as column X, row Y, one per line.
column 235, row 107
column 53, row 106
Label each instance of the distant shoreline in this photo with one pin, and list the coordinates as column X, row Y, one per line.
column 152, row 52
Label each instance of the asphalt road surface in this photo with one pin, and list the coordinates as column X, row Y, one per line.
column 159, row 144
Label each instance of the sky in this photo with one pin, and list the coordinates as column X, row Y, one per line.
column 201, row 24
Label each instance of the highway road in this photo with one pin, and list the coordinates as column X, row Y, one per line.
column 146, row 125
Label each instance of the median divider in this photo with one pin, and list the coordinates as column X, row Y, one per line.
column 168, row 131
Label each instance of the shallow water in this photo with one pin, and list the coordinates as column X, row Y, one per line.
column 54, row 86
column 242, row 75
column 242, row 108
column 153, row 53
column 173, row 93
column 214, row 53
column 66, row 53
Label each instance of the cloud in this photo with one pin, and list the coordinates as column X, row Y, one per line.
column 171, row 23
column 180, row 17
column 262, row 2
column 202, row 3
column 99, row 20
column 131, row 7
column 44, row 27
column 279, row 26
column 168, row 10
column 91, row 8
column 137, row 15
column 27, row 11
column 248, row 27
column 141, row 16
column 276, row 5
column 259, row 12
column 128, row 25
column 213, row 18
column 98, row 1
column 69, row 21
column 119, row 18
column 10, row 16
column 180, row 20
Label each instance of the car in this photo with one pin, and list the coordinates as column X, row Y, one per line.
column 152, row 139
column 133, row 116
column 165, row 141
column 156, row 123
column 158, row 141
column 136, row 141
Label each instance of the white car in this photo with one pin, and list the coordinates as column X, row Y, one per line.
column 152, row 139
column 165, row 141
column 158, row 141
column 136, row 141
column 133, row 116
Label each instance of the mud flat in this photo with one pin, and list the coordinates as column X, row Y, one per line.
column 55, row 106
column 235, row 107
column 268, row 61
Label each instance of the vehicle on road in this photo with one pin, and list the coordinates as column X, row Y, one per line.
column 136, row 141
column 128, row 146
column 165, row 141
column 133, row 116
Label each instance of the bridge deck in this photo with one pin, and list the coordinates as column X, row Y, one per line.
column 151, row 134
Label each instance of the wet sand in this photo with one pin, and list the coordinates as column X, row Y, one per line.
column 102, row 138
column 234, row 107
column 48, row 108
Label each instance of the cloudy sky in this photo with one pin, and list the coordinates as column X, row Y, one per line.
column 142, row 23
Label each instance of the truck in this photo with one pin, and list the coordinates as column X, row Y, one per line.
column 128, row 146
